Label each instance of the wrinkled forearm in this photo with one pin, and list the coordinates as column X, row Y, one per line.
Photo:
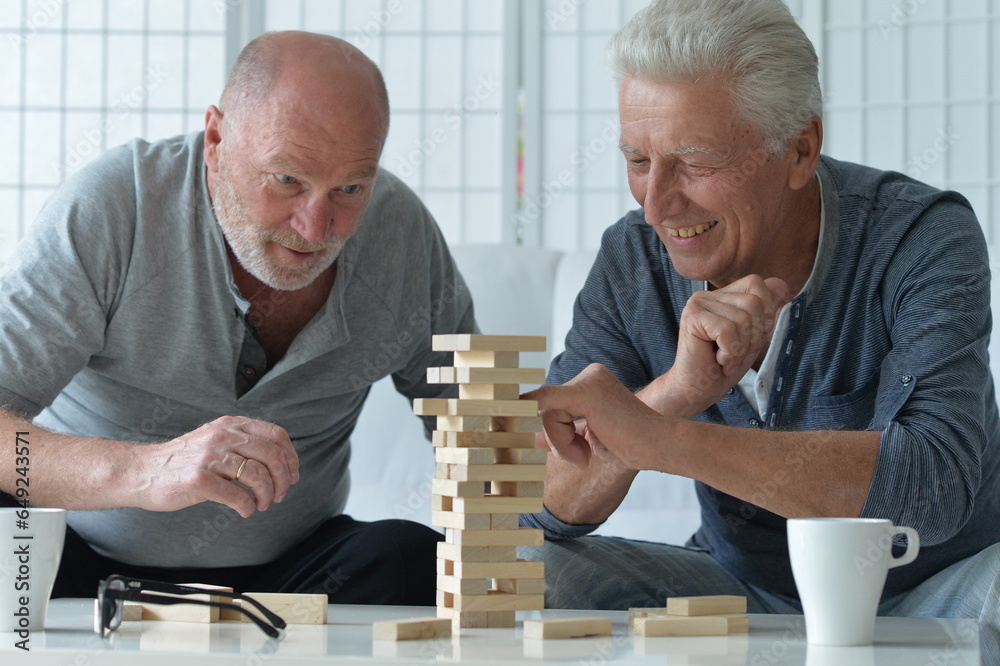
column 63, row 471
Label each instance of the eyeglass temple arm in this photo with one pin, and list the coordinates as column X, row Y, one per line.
column 135, row 594
column 170, row 588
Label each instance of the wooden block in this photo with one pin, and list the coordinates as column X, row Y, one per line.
column 411, row 630
column 441, row 502
column 476, row 342
column 460, row 521
column 444, row 567
column 457, row 585
column 681, row 625
column 445, row 600
column 479, row 375
column 454, row 553
column 636, row 613
column 490, row 456
column 567, row 628
column 498, row 505
column 486, row 359
column 717, row 604
column 489, row 392
column 505, row 521
column 481, row 439
column 499, row 601
column 467, row 424
column 188, row 612
column 519, row 585
column 737, row 623
column 517, row 423
column 494, row 472
column 467, row 456
column 293, row 608
column 522, row 456
column 524, row 536
column 501, row 554
column 517, row 488
column 458, row 488
column 464, row 619
column 499, row 619
column 459, row 407
column 517, row 569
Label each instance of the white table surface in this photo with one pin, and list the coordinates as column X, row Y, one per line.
column 69, row 640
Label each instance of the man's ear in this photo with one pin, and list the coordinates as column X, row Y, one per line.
column 805, row 154
column 213, row 137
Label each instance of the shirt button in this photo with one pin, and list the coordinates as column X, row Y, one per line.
column 249, row 372
column 906, row 379
column 730, row 391
column 755, row 423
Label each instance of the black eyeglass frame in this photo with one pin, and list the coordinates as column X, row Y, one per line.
column 135, row 589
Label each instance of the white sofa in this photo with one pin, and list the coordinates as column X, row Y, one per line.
column 517, row 291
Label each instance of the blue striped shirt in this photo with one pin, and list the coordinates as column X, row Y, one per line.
column 891, row 335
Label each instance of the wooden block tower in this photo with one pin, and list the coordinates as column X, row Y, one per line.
column 488, row 472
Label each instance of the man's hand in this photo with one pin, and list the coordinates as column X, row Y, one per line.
column 615, row 425
column 201, row 466
column 722, row 333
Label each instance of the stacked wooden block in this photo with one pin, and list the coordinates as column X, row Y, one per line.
column 488, row 472
column 713, row 615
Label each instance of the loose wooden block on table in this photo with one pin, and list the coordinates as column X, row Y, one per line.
column 480, row 375
column 293, row 608
column 735, row 623
column 411, row 630
column 681, row 625
column 717, row 604
column 462, row 342
column 567, row 628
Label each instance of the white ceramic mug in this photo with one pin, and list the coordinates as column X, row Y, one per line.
column 840, row 566
column 31, row 545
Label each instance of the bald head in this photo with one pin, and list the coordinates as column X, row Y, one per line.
column 295, row 65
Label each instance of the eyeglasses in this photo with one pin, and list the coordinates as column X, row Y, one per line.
column 117, row 589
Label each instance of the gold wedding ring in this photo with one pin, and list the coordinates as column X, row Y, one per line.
column 240, row 470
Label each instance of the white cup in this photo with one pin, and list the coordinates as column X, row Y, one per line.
column 840, row 566
column 31, row 545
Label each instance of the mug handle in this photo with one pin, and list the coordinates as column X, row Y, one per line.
column 912, row 546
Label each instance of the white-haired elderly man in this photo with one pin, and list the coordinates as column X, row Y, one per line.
column 799, row 335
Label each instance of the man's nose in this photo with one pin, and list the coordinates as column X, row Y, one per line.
column 314, row 220
column 665, row 197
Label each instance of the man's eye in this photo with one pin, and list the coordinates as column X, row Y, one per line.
column 351, row 189
column 284, row 179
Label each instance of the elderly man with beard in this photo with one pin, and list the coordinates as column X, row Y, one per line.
column 189, row 333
